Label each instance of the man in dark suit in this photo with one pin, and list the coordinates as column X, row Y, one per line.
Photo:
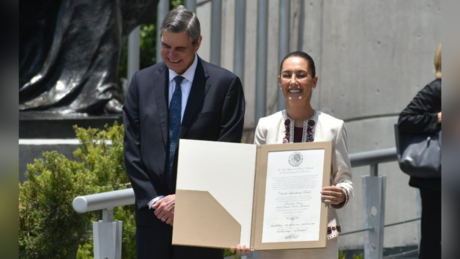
column 181, row 97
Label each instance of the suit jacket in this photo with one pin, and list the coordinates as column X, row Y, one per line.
column 421, row 116
column 271, row 130
column 214, row 112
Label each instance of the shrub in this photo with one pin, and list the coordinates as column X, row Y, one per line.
column 342, row 254
column 48, row 225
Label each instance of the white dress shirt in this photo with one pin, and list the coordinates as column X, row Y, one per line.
column 185, row 86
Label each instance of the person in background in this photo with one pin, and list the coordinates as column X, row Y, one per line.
column 301, row 123
column 423, row 115
column 181, row 97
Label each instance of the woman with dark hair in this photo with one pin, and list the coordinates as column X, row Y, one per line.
column 301, row 123
column 423, row 115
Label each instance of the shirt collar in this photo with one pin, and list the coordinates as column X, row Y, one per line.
column 189, row 74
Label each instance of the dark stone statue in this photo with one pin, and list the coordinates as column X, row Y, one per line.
column 70, row 51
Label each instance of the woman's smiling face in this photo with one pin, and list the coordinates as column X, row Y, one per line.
column 296, row 79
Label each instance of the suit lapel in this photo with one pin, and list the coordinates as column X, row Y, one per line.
column 160, row 85
column 196, row 97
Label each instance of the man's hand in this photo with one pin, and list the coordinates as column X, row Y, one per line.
column 164, row 209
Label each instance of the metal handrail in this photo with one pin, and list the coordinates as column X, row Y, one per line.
column 356, row 231
column 100, row 201
column 373, row 157
column 106, row 201
column 113, row 199
column 402, row 222
column 401, row 254
column 371, row 229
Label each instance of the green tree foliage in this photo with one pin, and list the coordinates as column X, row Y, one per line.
column 175, row 3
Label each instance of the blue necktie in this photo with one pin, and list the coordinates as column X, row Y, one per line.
column 175, row 111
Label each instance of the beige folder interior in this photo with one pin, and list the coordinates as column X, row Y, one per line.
column 205, row 230
column 211, row 183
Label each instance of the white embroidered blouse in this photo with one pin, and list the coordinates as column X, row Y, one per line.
column 271, row 130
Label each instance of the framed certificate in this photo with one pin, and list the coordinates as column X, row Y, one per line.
column 264, row 196
column 287, row 211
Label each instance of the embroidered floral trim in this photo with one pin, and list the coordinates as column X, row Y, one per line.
column 333, row 231
column 329, row 237
column 308, row 133
column 334, row 228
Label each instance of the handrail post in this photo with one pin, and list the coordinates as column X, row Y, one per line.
column 374, row 170
column 374, row 212
column 107, row 236
column 107, row 215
